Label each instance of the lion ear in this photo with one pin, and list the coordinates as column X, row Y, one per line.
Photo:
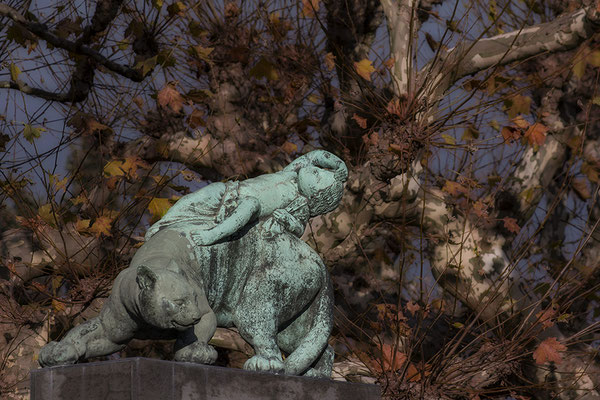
column 146, row 278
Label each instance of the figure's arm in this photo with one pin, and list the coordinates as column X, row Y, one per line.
column 247, row 209
column 321, row 159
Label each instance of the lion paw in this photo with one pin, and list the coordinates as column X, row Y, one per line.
column 199, row 353
column 259, row 363
column 57, row 353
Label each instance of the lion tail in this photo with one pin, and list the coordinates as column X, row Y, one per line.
column 315, row 342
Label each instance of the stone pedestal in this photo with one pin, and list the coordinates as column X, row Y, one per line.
column 149, row 379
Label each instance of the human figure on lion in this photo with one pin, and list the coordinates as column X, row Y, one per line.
column 228, row 255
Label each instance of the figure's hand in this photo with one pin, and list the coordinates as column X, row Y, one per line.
column 289, row 222
column 202, row 238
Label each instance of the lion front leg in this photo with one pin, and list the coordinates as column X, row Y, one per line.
column 84, row 341
column 192, row 344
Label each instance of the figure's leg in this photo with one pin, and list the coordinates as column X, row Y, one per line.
column 192, row 344
column 84, row 341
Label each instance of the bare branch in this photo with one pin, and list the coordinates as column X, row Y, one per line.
column 78, row 47
column 564, row 33
column 399, row 15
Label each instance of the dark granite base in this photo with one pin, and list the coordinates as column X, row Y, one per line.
column 149, row 379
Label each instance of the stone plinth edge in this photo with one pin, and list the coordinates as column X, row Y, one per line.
column 150, row 379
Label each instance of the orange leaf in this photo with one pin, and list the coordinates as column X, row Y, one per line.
column 536, row 134
column 511, row 225
column 545, row 317
column 454, row 188
column 412, row 307
column 392, row 359
column 309, row 8
column 510, row 134
column 330, row 61
column 549, row 350
column 582, row 188
column 364, row 68
column 102, row 225
column 394, row 108
column 389, row 63
column 169, row 96
column 362, row 122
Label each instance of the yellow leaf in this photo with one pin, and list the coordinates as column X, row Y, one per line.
column 364, row 68
column 594, row 58
column 264, row 69
column 47, row 214
column 203, row 52
column 59, row 184
column 102, row 225
column 79, row 199
column 58, row 306
column 579, row 68
column 289, row 147
column 516, row 105
column 158, row 207
column 14, row 72
column 449, row 139
column 114, row 168
column 82, row 225
column 454, row 188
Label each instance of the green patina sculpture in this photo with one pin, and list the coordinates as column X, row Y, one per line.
column 229, row 254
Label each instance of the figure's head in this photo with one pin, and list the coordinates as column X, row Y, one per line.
column 321, row 188
column 167, row 300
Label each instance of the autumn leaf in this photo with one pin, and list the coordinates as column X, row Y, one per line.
column 176, row 8
column 31, row 133
column 536, row 134
column 14, row 72
column 448, row 139
column 58, row 306
column 510, row 134
column 203, row 52
column 264, row 69
column 364, row 68
column 158, row 207
column 590, row 171
column 46, row 213
column 511, row 225
column 138, row 102
column 101, row 226
column 516, row 105
column 195, row 119
column 330, row 61
column 289, row 147
column 309, row 8
column 394, row 107
column 362, row 122
column 389, row 63
column 392, row 359
column 454, row 188
column 169, row 96
column 412, row 307
column 545, row 317
column 581, row 187
column 82, row 225
column 114, row 168
column 549, row 350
